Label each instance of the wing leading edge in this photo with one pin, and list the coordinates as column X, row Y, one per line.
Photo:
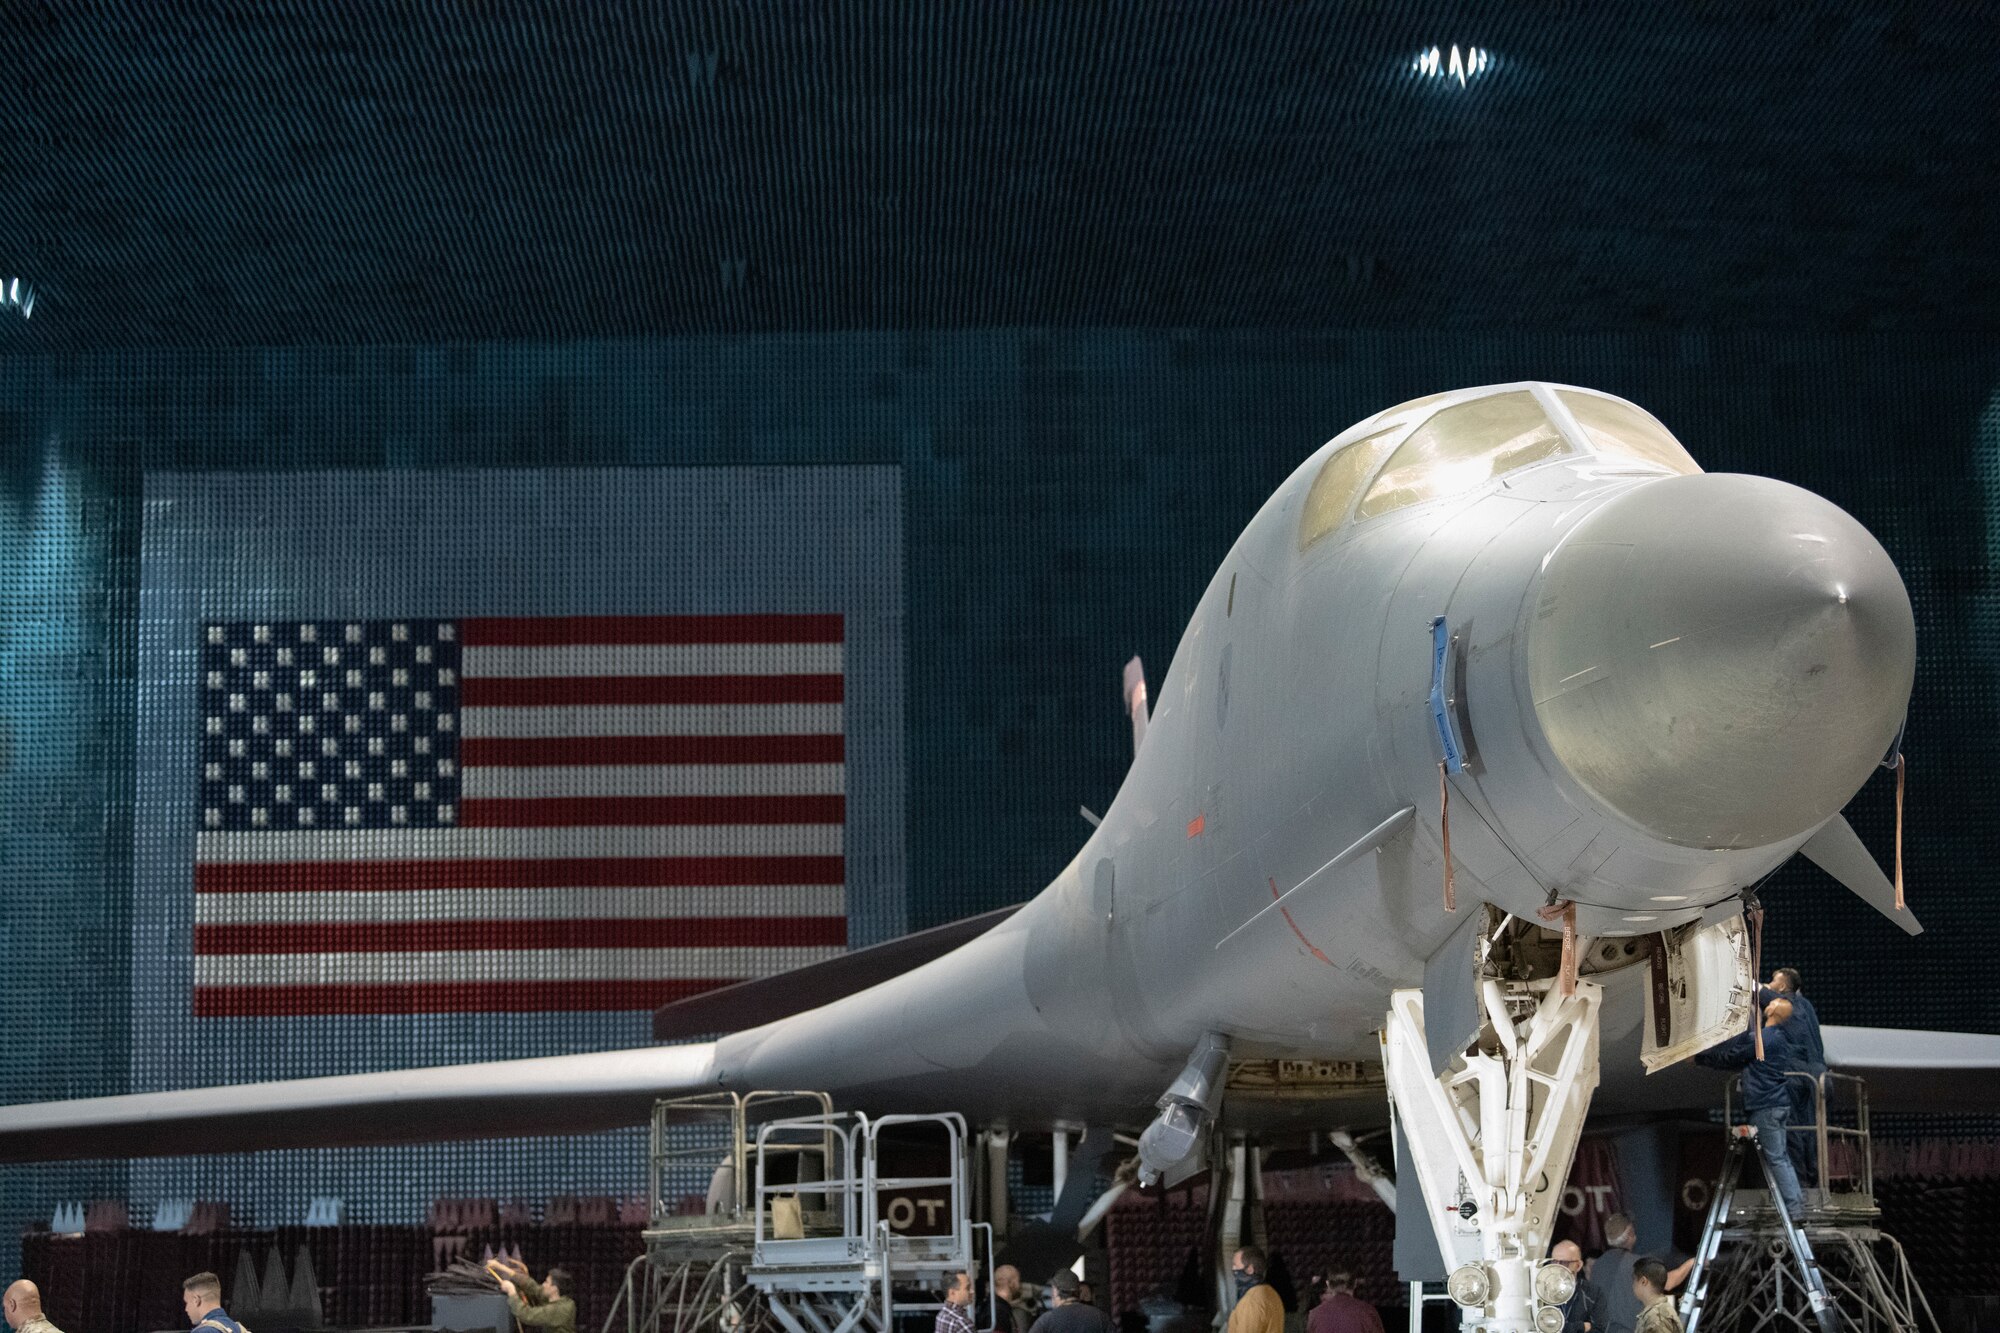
column 560, row 1094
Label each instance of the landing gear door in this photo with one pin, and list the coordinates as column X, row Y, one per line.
column 1700, row 990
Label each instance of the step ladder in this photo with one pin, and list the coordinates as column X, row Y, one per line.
column 1742, row 1145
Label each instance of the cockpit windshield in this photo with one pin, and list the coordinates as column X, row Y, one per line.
column 1615, row 427
column 1462, row 447
column 1334, row 488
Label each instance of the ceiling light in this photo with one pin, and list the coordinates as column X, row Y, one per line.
column 1456, row 64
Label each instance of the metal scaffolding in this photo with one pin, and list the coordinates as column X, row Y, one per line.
column 803, row 1229
column 1832, row 1270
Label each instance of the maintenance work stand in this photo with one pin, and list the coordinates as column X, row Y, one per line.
column 805, row 1228
column 1834, row 1270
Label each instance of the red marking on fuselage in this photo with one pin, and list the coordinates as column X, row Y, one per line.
column 1286, row 913
column 1196, row 825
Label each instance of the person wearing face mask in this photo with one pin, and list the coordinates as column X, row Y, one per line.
column 1258, row 1308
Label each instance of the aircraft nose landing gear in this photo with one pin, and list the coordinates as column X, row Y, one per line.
column 1492, row 1135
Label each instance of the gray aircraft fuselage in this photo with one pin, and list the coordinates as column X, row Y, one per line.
column 1668, row 682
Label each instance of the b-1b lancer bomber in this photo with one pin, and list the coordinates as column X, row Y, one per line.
column 1495, row 710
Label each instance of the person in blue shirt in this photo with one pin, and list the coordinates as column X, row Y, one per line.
column 1803, row 1030
column 1767, row 1095
column 201, row 1297
column 1803, row 1026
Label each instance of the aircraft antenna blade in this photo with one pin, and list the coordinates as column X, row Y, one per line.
column 1135, row 701
column 1838, row 850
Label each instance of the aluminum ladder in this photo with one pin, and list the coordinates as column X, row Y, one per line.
column 1742, row 1143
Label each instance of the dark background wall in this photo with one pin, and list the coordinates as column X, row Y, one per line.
column 1068, row 492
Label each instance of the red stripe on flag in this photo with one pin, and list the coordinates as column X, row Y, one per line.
column 565, row 751
column 713, row 932
column 635, row 811
column 444, row 997
column 557, row 691
column 562, row 631
column 575, row 873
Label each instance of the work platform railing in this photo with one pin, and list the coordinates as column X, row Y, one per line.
column 1834, row 1141
column 707, row 1138
column 805, row 1226
column 848, row 1274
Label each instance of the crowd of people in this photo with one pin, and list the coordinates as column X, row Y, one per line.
column 201, row 1298
column 1070, row 1306
column 544, row 1307
column 1620, row 1291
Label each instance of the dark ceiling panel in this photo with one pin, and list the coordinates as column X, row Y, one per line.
column 199, row 174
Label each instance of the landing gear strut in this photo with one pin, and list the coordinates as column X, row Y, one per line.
column 1492, row 1137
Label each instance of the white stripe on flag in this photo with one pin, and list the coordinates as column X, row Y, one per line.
column 657, row 659
column 287, row 909
column 666, row 964
column 653, row 720
column 655, row 780
column 525, row 844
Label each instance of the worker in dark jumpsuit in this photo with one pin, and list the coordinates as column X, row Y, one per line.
column 1802, row 1029
column 1767, row 1097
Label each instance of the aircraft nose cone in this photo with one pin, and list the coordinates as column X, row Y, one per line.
column 1721, row 660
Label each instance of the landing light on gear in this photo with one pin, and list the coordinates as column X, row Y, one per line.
column 1554, row 1284
column 1470, row 1284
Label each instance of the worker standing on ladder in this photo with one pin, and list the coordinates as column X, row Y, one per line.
column 1767, row 1096
column 1803, row 1031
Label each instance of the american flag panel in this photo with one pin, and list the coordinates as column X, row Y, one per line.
column 662, row 749
column 526, row 814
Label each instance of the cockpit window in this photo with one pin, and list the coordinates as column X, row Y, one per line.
column 1616, row 427
column 1400, row 408
column 1340, row 476
column 1462, row 447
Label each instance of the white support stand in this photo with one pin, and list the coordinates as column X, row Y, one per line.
column 1493, row 1137
column 1230, row 1218
column 997, row 1203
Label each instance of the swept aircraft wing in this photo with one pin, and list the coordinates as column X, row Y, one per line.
column 560, row 1094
